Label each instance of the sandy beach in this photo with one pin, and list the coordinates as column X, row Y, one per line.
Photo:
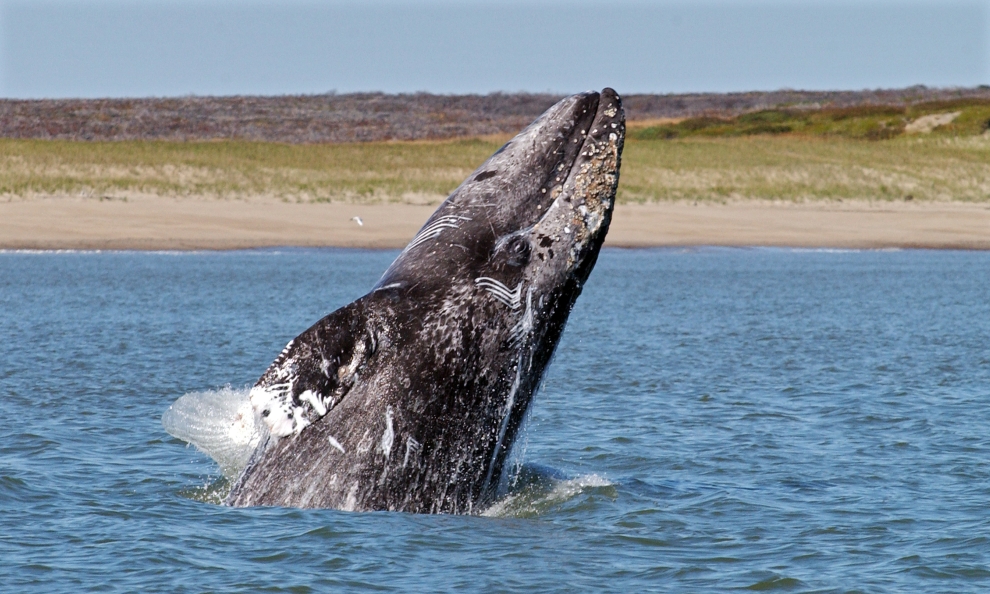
column 159, row 223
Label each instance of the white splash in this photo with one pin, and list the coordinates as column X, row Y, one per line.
column 220, row 423
column 543, row 490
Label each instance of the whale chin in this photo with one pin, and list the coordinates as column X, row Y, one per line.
column 410, row 398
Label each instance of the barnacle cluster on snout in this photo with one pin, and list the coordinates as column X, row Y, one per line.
column 581, row 209
column 594, row 190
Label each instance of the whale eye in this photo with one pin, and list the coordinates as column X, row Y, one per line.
column 517, row 251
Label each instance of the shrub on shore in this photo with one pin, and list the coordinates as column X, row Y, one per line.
column 864, row 122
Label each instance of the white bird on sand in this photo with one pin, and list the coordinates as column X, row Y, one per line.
column 358, row 221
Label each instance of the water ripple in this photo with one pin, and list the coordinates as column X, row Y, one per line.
column 715, row 419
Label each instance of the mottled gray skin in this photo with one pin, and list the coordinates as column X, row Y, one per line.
column 410, row 398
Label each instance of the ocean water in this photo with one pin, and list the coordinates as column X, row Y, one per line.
column 715, row 419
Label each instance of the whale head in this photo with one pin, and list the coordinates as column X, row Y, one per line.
column 535, row 213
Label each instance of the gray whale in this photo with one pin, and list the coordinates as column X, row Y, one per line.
column 409, row 398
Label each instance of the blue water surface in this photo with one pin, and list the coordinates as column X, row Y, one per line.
column 715, row 419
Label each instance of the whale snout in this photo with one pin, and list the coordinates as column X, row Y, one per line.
column 595, row 173
column 574, row 224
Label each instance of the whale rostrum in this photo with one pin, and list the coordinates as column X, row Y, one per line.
column 409, row 398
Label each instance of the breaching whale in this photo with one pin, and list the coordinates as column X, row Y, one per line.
column 410, row 398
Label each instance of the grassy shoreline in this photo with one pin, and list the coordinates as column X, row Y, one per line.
column 941, row 166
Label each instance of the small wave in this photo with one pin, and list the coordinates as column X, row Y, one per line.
column 827, row 250
column 45, row 252
column 824, row 250
column 537, row 490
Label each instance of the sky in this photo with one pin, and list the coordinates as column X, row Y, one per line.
column 141, row 48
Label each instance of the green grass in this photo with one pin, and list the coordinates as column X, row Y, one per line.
column 795, row 169
column 951, row 163
column 867, row 122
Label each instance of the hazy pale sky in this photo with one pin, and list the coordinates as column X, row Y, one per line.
column 101, row 48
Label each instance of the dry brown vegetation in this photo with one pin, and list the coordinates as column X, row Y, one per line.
column 376, row 116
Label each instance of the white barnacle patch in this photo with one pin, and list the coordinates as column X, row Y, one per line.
column 594, row 186
column 274, row 401
column 299, row 420
column 315, row 401
column 336, row 444
column 389, row 435
column 498, row 290
column 434, row 229
column 273, row 405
